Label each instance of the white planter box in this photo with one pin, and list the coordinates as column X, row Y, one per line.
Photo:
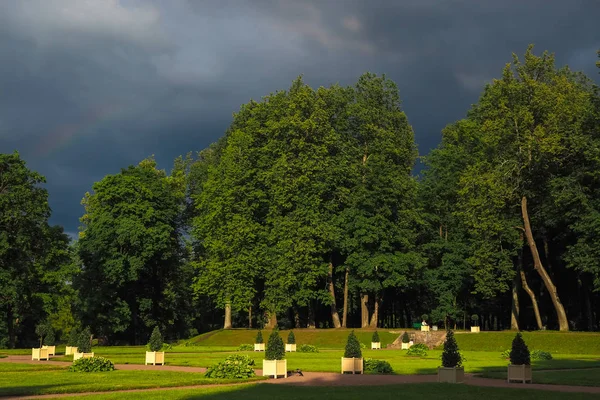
column 290, row 347
column 51, row 350
column 434, row 328
column 451, row 375
column 155, row 357
column 39, row 354
column 475, row 329
column 275, row 368
column 406, row 346
column 424, row 328
column 69, row 350
column 77, row 356
column 375, row 345
column 259, row 347
column 519, row 373
column 354, row 365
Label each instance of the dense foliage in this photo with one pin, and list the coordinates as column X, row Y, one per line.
column 451, row 357
column 233, row 367
column 377, row 367
column 92, row 364
column 418, row 350
column 352, row 349
column 246, row 347
column 541, row 355
column 375, row 337
column 84, row 341
column 275, row 349
column 259, row 338
column 156, row 342
column 405, row 337
column 291, row 339
column 307, row 348
column 519, row 353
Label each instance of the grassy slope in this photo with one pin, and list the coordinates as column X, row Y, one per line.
column 404, row 392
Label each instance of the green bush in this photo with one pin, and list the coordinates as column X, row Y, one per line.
column 307, row 348
column 541, row 355
column 43, row 330
column 155, row 343
column 92, row 364
column 475, row 318
column 451, row 357
column 418, row 350
column 519, row 353
column 73, row 337
column 50, row 339
column 233, row 367
column 291, row 338
column 405, row 337
column 352, row 347
column 362, row 345
column 377, row 367
column 84, row 341
column 259, row 338
column 246, row 347
column 505, row 354
column 375, row 338
column 275, row 348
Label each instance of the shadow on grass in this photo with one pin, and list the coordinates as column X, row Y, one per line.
column 30, row 390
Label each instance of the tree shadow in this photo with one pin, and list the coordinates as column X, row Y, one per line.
column 6, row 391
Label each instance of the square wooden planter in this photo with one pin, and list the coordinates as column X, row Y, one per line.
column 290, row 347
column 354, row 365
column 275, row 368
column 519, row 373
column 39, row 354
column 259, row 347
column 69, row 350
column 155, row 357
column 451, row 375
column 77, row 356
column 51, row 350
column 424, row 328
column 375, row 345
column 406, row 346
column 475, row 329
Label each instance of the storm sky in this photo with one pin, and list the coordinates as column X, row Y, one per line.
column 90, row 86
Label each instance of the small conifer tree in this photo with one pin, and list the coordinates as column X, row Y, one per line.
column 156, row 342
column 291, row 338
column 405, row 337
column 275, row 348
column 375, row 338
column 259, row 338
column 73, row 337
column 451, row 357
column 84, row 342
column 352, row 347
column 519, row 354
column 50, row 339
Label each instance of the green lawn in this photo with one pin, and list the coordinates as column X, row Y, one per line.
column 430, row 391
column 588, row 377
column 53, row 381
column 14, row 367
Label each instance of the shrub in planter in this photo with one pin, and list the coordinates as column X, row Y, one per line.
column 291, row 338
column 43, row 330
column 451, row 370
column 352, row 347
column 541, row 355
column 233, row 367
column 246, row 347
column 519, row 353
column 73, row 337
column 375, row 337
column 156, row 342
column 377, row 367
column 259, row 338
column 92, row 364
column 474, row 319
column 405, row 337
column 418, row 350
column 308, row 348
column 274, row 363
column 84, row 341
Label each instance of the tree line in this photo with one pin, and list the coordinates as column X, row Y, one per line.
column 307, row 213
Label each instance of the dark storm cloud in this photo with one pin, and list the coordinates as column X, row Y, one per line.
column 90, row 86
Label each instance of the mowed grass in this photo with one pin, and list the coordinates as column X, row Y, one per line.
column 17, row 367
column 54, row 382
column 583, row 377
column 433, row 391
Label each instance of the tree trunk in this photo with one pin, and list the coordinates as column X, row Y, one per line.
column 345, row 312
column 250, row 317
column 227, row 323
column 514, row 315
column 537, row 264
column 271, row 320
column 334, row 314
column 375, row 316
column 364, row 310
column 311, row 316
column 536, row 310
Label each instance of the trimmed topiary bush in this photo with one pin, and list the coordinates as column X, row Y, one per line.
column 474, row 319
column 92, row 364
column 377, row 367
column 307, row 348
column 451, row 356
column 156, row 342
column 275, row 348
column 375, row 338
column 418, row 350
column 405, row 337
column 43, row 330
column 73, row 337
column 84, row 341
column 233, row 367
column 352, row 347
column 246, row 347
column 519, row 353
column 541, row 355
column 291, row 338
column 259, row 338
